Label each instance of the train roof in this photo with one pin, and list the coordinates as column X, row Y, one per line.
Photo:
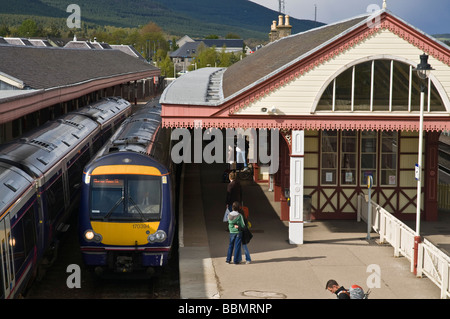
column 105, row 109
column 13, row 182
column 39, row 150
column 137, row 133
column 140, row 134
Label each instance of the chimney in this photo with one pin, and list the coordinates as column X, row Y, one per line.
column 281, row 30
column 280, row 20
column 286, row 21
column 274, row 25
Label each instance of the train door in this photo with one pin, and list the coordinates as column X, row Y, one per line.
column 7, row 263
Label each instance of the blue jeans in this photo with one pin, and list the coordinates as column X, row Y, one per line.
column 247, row 253
column 235, row 245
column 240, row 157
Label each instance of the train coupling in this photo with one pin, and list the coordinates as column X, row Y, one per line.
column 124, row 264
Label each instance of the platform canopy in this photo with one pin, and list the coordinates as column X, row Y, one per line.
column 32, row 78
column 355, row 74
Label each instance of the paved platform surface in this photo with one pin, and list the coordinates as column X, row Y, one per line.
column 331, row 250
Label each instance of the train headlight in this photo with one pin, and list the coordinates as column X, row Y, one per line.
column 157, row 237
column 92, row 236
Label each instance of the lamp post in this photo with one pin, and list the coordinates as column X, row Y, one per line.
column 423, row 71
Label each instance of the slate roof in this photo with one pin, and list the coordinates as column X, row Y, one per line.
column 43, row 67
column 265, row 62
column 277, row 54
column 219, row 43
column 187, row 50
column 128, row 49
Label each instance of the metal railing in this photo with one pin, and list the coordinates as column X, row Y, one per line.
column 431, row 261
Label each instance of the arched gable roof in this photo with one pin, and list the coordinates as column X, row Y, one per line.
column 283, row 62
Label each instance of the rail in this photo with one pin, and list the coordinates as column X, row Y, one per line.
column 430, row 262
column 435, row 265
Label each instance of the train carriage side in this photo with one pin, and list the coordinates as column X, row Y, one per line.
column 127, row 219
column 20, row 233
column 40, row 177
column 109, row 113
column 54, row 156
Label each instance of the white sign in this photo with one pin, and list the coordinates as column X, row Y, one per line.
column 417, row 172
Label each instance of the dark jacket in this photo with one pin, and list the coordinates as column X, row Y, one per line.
column 234, row 192
column 342, row 293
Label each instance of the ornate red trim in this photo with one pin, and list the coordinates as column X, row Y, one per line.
column 410, row 123
column 348, row 41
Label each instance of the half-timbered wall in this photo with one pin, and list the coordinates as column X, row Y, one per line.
column 337, row 164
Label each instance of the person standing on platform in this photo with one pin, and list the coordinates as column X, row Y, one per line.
column 248, row 259
column 235, row 221
column 234, row 191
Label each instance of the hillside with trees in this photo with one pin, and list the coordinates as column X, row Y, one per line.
column 197, row 18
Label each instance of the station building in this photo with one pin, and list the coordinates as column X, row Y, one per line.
column 39, row 83
column 345, row 99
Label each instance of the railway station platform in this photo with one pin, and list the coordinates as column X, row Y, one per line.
column 335, row 249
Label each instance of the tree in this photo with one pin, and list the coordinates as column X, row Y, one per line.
column 152, row 39
column 4, row 30
column 28, row 29
column 166, row 66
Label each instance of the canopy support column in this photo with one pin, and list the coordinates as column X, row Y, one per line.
column 296, row 188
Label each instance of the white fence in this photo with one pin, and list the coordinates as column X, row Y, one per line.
column 431, row 261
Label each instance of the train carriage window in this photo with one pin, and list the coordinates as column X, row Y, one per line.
column 125, row 198
column 23, row 238
column 76, row 171
column 55, row 198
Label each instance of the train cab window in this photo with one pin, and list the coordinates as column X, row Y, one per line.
column 125, row 198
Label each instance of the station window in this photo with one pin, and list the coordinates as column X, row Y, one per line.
column 329, row 157
column 368, row 156
column 379, row 85
column 388, row 165
column 348, row 157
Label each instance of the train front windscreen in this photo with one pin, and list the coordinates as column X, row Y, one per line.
column 127, row 198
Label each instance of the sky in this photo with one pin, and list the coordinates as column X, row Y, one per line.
column 430, row 16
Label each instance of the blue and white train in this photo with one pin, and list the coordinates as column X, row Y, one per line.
column 40, row 179
column 127, row 214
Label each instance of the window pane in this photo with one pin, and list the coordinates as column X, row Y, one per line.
column 329, row 141
column 368, row 156
column 388, row 177
column 326, row 101
column 363, row 73
column 329, row 177
column 329, row 157
column 388, row 158
column 344, row 91
column 400, row 87
column 415, row 93
column 329, row 160
column 436, row 103
column 381, row 85
column 348, row 159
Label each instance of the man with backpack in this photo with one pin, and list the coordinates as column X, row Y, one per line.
column 333, row 287
column 355, row 291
